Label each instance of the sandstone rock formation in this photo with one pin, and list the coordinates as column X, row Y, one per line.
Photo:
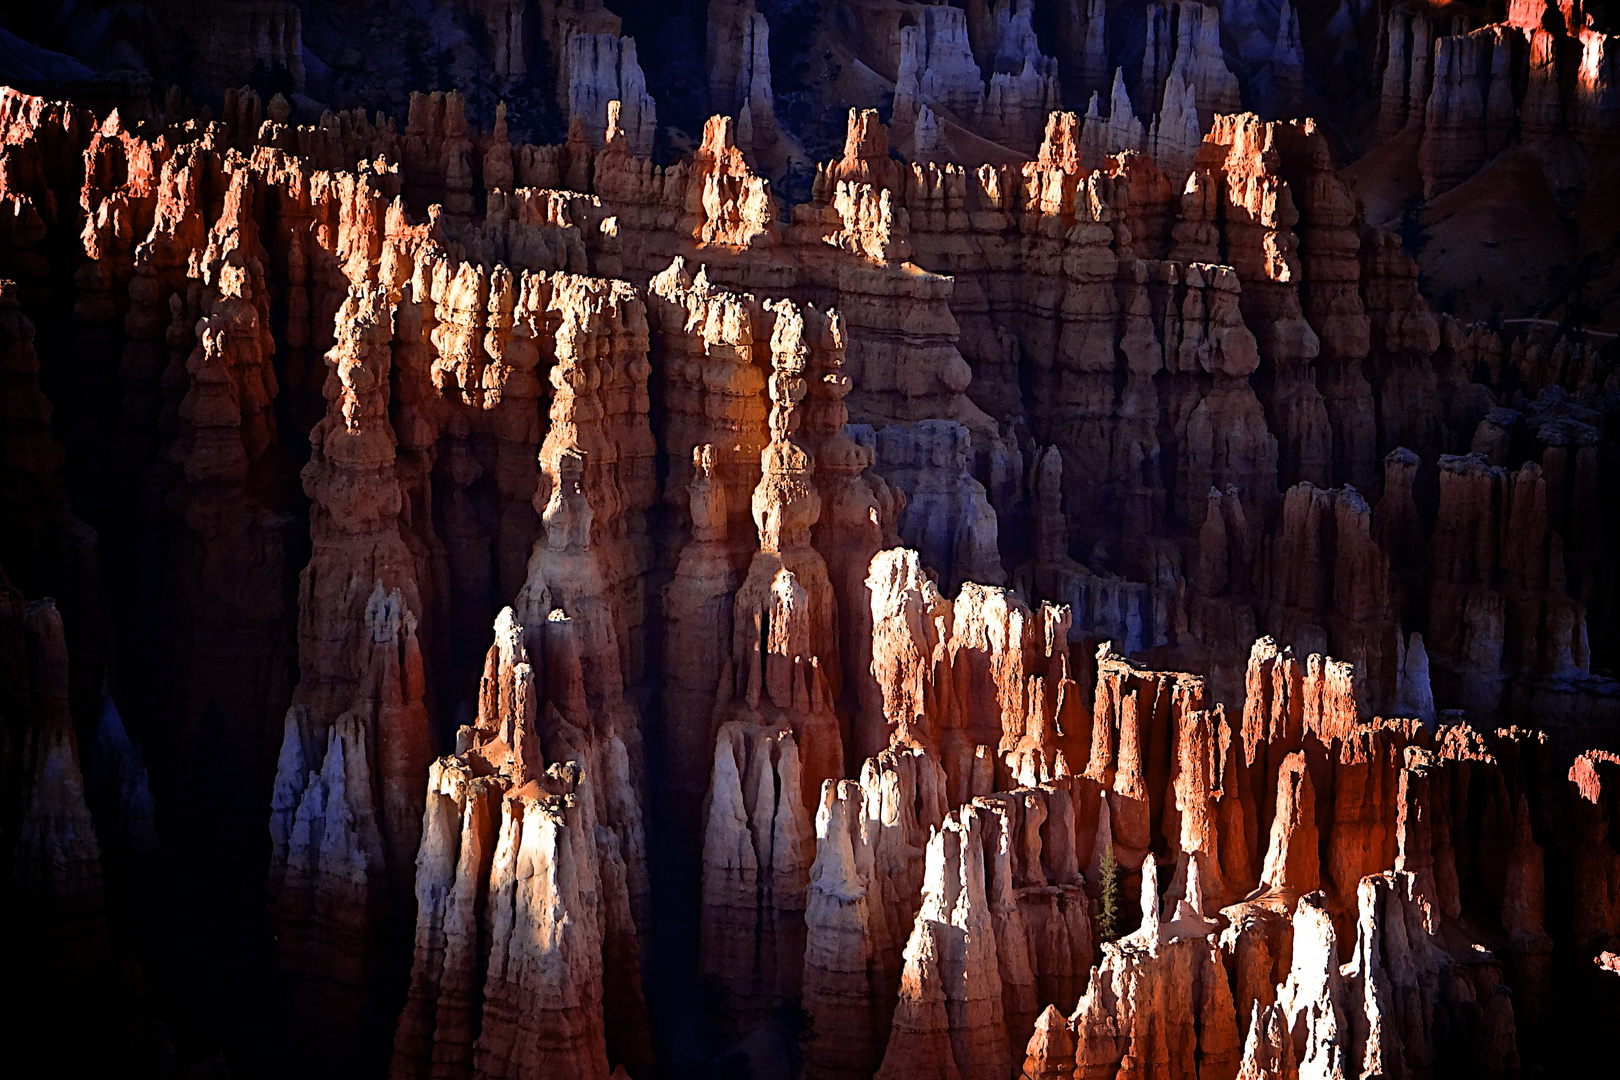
column 526, row 957
column 602, row 69
column 55, row 878
column 740, row 72
column 1040, row 592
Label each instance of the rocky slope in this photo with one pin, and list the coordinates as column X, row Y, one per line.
column 1055, row 600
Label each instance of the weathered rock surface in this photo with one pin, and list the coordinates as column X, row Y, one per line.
column 527, row 958
column 849, row 556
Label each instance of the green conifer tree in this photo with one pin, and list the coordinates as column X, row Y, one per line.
column 1108, row 918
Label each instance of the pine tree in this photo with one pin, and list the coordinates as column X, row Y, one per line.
column 1108, row 918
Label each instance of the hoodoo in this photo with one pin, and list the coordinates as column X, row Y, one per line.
column 813, row 539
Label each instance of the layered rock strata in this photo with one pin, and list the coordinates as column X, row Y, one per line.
column 1154, row 386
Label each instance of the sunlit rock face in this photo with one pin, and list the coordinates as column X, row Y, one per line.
column 834, row 539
